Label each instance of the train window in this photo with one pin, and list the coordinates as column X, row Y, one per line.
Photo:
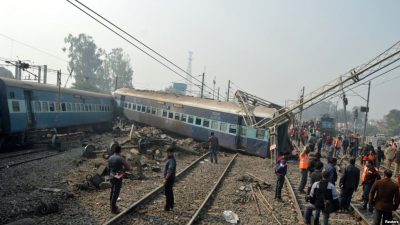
column 57, row 107
column 63, row 108
column 133, row 107
column 148, row 110
column 232, row 128
column 139, row 108
column 143, row 108
column 45, row 107
column 158, row 112
column 69, row 107
column 260, row 133
column 129, row 106
column 153, row 111
column 206, row 123
column 214, row 125
column 223, row 127
column 12, row 95
column 125, row 105
column 15, row 106
column 38, row 107
column 183, row 117
column 198, row 121
column 177, row 116
column 164, row 113
column 51, row 104
column 73, row 107
column 243, row 131
column 170, row 115
column 86, row 108
column 82, row 107
column 190, row 119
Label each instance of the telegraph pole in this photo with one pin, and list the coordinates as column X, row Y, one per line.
column 59, row 89
column 229, row 88
column 214, row 88
column 202, row 86
column 218, row 95
column 301, row 108
column 366, row 112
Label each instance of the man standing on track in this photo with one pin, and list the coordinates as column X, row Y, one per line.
column 385, row 197
column 369, row 176
column 116, row 165
column 303, row 166
column 331, row 169
column 169, row 179
column 280, row 171
column 213, row 147
column 349, row 183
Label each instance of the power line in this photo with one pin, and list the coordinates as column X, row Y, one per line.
column 34, row 48
column 146, row 46
column 142, row 50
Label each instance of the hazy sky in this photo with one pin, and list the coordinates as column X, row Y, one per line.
column 269, row 48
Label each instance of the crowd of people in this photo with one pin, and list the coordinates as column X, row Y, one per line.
column 319, row 181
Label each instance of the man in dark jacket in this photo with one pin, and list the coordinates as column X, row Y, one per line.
column 345, row 145
column 348, row 183
column 331, row 169
column 280, row 171
column 116, row 165
column 385, row 197
column 380, row 156
column 169, row 179
column 369, row 176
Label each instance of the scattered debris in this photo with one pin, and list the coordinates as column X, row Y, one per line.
column 51, row 189
column 231, row 217
column 47, row 207
column 25, row 221
column 105, row 185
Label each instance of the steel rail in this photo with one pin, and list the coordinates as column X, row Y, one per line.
column 296, row 203
column 202, row 206
column 155, row 191
column 16, row 154
column 29, row 160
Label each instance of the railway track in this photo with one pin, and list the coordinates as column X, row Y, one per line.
column 191, row 190
column 16, row 159
column 355, row 217
column 358, row 205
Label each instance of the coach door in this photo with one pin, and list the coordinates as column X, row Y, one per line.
column 28, row 105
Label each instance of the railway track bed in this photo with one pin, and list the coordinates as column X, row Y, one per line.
column 193, row 186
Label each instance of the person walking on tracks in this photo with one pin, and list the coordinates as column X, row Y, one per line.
column 348, row 183
column 380, row 156
column 213, row 140
column 397, row 161
column 369, row 176
column 169, row 179
column 324, row 198
column 117, row 164
column 303, row 166
column 280, row 171
column 331, row 169
column 338, row 146
column 385, row 197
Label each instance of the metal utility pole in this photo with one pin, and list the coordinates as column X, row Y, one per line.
column 39, row 73
column 229, row 88
column 301, row 108
column 44, row 74
column 366, row 112
column 214, row 88
column 116, row 83
column 218, row 95
column 59, row 88
column 202, row 86
column 355, row 120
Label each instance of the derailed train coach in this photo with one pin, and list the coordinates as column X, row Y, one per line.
column 198, row 117
column 29, row 107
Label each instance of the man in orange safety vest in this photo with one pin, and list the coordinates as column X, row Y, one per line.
column 303, row 166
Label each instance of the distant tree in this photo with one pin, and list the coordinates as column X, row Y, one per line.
column 118, row 67
column 85, row 60
column 392, row 121
column 5, row 73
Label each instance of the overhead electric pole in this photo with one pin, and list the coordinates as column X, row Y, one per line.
column 214, row 88
column 301, row 108
column 229, row 88
column 202, row 86
column 218, row 94
column 366, row 113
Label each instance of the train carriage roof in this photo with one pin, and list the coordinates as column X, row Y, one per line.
column 49, row 87
column 221, row 106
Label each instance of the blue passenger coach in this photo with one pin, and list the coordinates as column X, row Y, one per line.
column 196, row 118
column 28, row 106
